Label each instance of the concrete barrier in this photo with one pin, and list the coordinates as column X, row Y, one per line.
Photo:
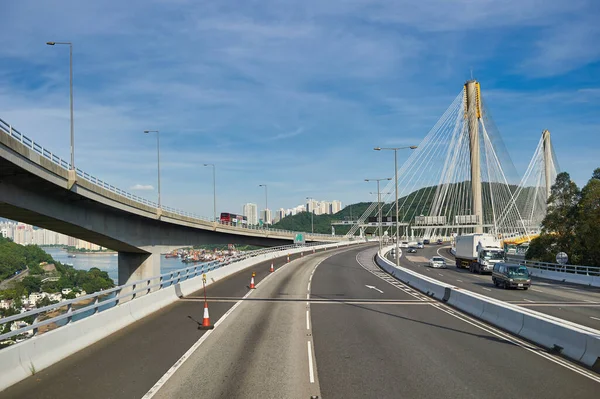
column 25, row 358
column 592, row 281
column 574, row 341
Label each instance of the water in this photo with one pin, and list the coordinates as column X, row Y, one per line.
column 106, row 262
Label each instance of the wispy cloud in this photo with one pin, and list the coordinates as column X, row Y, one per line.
column 290, row 92
column 142, row 187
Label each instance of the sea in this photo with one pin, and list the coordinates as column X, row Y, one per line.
column 106, row 262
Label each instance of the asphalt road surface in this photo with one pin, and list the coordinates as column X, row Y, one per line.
column 420, row 348
column 573, row 302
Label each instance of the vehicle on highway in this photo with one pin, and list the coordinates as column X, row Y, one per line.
column 404, row 244
column 510, row 275
column 437, row 262
column 412, row 250
column 420, row 245
column 439, row 242
column 426, row 242
column 478, row 252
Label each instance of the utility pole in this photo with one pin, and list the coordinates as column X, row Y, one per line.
column 379, row 204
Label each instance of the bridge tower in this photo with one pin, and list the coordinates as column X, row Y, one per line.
column 548, row 164
column 473, row 115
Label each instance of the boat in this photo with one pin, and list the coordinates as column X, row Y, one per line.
column 72, row 256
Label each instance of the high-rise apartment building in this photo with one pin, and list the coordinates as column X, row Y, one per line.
column 267, row 217
column 251, row 212
column 336, row 206
column 324, row 208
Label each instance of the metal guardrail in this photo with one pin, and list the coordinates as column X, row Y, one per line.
column 8, row 129
column 103, row 300
column 557, row 267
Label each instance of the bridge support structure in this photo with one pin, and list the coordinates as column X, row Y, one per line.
column 473, row 114
column 547, row 161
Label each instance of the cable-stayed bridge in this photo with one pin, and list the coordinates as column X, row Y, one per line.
column 461, row 179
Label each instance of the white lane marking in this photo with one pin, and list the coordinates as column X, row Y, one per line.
column 311, row 372
column 441, row 274
column 533, row 289
column 487, row 289
column 307, row 320
column 308, row 296
column 373, row 288
column 587, row 300
column 595, row 318
column 498, row 333
column 438, row 252
column 459, row 280
column 189, row 352
column 308, row 289
column 528, row 300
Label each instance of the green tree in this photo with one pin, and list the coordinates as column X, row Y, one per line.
column 596, row 174
column 588, row 218
column 32, row 284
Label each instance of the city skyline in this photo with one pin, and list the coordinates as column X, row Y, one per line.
column 252, row 96
column 26, row 234
column 321, row 207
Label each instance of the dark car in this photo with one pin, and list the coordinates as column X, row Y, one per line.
column 425, row 242
column 411, row 250
column 508, row 275
column 440, row 242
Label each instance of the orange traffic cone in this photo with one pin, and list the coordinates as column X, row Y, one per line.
column 271, row 270
column 288, row 258
column 206, row 320
column 252, row 281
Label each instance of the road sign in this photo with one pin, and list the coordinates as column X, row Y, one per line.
column 562, row 258
column 204, row 278
column 299, row 238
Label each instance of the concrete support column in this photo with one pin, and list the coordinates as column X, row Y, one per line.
column 473, row 113
column 134, row 266
column 547, row 161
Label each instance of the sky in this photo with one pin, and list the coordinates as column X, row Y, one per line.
column 292, row 94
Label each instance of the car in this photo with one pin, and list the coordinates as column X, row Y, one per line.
column 411, row 250
column 404, row 244
column 426, row 242
column 420, row 245
column 510, row 275
column 439, row 242
column 437, row 262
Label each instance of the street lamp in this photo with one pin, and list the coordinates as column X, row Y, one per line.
column 158, row 159
column 379, row 203
column 71, row 98
column 395, row 149
column 312, row 225
column 266, row 200
column 214, row 191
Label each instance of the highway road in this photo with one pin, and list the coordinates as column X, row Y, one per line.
column 128, row 363
column 332, row 325
column 573, row 302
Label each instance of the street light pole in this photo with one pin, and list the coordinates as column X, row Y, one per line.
column 266, row 201
column 379, row 203
column 158, row 160
column 395, row 149
column 214, row 190
column 71, row 98
column 312, row 214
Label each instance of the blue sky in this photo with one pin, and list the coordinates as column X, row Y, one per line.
column 293, row 94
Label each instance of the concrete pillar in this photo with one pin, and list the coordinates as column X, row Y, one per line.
column 134, row 266
column 547, row 161
column 473, row 114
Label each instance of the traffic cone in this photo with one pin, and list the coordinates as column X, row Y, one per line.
column 271, row 270
column 288, row 258
column 206, row 320
column 252, row 282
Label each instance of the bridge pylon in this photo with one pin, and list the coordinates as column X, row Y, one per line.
column 473, row 114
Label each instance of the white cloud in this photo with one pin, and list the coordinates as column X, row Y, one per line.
column 142, row 187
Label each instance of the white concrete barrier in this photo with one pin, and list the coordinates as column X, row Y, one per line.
column 577, row 342
column 592, row 281
column 23, row 359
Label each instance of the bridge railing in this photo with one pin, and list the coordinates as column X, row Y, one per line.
column 39, row 149
column 54, row 316
column 557, row 267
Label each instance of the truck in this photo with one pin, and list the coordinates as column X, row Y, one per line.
column 478, row 252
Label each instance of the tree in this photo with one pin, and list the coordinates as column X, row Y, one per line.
column 32, row 284
column 596, row 174
column 588, row 226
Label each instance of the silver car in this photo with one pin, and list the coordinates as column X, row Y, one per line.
column 437, row 262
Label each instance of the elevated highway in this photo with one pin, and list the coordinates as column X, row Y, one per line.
column 573, row 302
column 39, row 188
column 329, row 325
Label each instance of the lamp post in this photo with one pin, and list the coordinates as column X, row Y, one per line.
column 214, row 191
column 379, row 204
column 158, row 160
column 70, row 96
column 312, row 214
column 395, row 149
column 266, row 201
